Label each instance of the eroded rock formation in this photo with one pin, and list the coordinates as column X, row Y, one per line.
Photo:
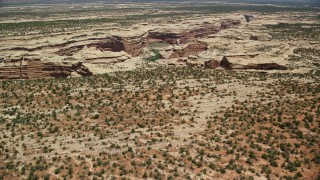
column 236, row 62
column 229, row 64
column 164, row 36
column 69, row 51
column 229, row 23
column 186, row 36
column 248, row 17
column 254, row 38
column 33, row 69
column 190, row 49
column 132, row 45
column 109, row 44
column 211, row 64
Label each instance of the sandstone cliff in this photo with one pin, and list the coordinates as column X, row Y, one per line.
column 33, row 69
column 230, row 63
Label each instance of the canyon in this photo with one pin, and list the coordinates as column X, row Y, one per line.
column 76, row 53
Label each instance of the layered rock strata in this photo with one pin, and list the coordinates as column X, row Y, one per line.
column 32, row 69
column 231, row 63
column 181, row 43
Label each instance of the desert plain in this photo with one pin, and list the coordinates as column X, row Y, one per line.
column 167, row 90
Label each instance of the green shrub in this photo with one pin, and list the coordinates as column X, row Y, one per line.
column 155, row 57
column 57, row 171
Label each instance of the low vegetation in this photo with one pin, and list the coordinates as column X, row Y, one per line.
column 155, row 56
column 159, row 122
column 162, row 123
column 293, row 32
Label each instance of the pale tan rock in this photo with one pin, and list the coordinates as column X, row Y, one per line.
column 258, row 63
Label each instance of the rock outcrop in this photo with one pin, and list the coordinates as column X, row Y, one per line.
column 134, row 45
column 229, row 23
column 211, row 64
column 236, row 62
column 189, row 49
column 248, row 18
column 95, row 55
column 34, row 69
column 193, row 61
column 185, row 36
column 69, row 51
column 233, row 63
column 109, row 44
column 164, row 36
column 254, row 38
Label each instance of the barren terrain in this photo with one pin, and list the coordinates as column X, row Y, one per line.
column 159, row 91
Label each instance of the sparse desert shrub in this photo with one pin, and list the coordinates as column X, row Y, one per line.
column 154, row 57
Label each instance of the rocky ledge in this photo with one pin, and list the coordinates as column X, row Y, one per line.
column 235, row 62
column 32, row 69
